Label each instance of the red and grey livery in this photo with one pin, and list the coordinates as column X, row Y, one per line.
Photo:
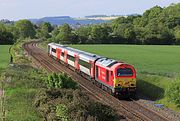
column 117, row 78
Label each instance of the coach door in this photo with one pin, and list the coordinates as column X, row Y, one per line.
column 65, row 56
column 58, row 51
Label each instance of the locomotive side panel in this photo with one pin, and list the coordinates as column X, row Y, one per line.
column 103, row 75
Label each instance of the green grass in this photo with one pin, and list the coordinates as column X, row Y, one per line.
column 158, row 60
column 25, row 81
column 4, row 61
column 20, row 91
column 4, row 56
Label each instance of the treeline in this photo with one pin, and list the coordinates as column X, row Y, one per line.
column 12, row 32
column 156, row 26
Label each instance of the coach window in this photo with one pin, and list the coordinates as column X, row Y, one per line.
column 71, row 58
column 48, row 48
column 107, row 75
column 53, row 50
column 62, row 54
column 85, row 64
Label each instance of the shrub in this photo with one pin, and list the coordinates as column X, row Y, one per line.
column 102, row 112
column 62, row 112
column 61, row 80
column 173, row 92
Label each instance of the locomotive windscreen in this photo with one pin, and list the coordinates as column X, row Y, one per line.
column 124, row 72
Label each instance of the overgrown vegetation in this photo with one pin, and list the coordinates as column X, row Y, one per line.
column 64, row 101
column 173, row 92
column 61, row 80
column 24, row 82
column 72, row 105
column 17, row 52
column 4, row 56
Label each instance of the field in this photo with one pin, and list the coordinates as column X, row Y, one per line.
column 156, row 60
column 157, row 66
column 4, row 56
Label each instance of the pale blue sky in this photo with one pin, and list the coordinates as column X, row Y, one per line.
column 23, row 9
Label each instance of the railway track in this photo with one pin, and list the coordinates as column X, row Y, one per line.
column 131, row 110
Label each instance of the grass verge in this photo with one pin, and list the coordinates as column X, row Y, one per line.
column 4, row 56
column 21, row 83
column 24, row 83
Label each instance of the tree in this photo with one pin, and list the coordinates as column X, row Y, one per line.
column 83, row 34
column 25, row 29
column 177, row 34
column 44, row 30
column 6, row 37
column 99, row 34
column 66, row 35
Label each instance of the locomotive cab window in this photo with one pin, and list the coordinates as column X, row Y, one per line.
column 53, row 50
column 124, row 72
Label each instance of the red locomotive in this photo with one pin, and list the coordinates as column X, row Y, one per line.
column 117, row 78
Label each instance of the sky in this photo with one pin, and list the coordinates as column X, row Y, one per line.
column 24, row 9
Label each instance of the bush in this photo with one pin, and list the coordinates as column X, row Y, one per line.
column 61, row 80
column 173, row 92
column 102, row 112
column 62, row 112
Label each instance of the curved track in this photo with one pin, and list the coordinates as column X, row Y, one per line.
column 131, row 110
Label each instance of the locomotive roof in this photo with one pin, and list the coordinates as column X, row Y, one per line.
column 106, row 62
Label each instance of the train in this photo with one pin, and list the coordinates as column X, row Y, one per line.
column 116, row 77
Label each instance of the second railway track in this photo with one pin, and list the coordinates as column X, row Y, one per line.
column 131, row 110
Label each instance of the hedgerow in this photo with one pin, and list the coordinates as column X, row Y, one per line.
column 173, row 92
